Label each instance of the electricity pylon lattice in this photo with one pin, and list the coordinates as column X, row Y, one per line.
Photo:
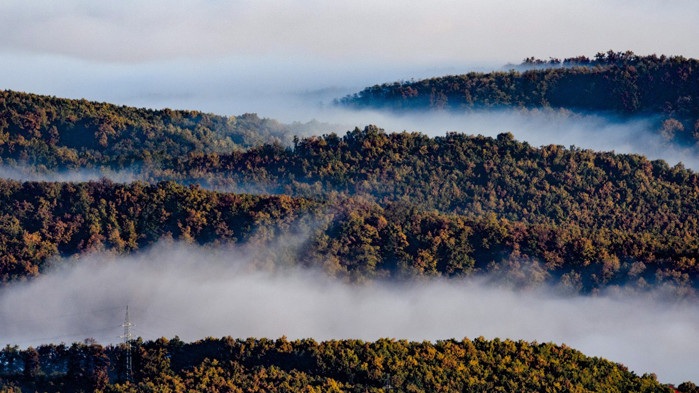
column 127, row 325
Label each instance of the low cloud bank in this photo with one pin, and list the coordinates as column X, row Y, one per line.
column 175, row 289
column 537, row 127
column 298, row 89
column 345, row 31
column 28, row 173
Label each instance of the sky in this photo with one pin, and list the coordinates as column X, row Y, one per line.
column 231, row 57
column 438, row 32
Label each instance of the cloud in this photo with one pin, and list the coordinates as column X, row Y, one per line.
column 285, row 88
column 27, row 173
column 537, row 127
column 445, row 31
column 174, row 289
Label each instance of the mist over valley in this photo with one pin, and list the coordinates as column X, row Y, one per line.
column 349, row 197
column 178, row 289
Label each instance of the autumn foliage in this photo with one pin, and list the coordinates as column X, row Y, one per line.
column 256, row 365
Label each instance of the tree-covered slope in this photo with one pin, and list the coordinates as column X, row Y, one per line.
column 394, row 205
column 257, row 365
column 383, row 205
column 621, row 83
column 470, row 175
column 59, row 132
column 575, row 207
column 42, row 220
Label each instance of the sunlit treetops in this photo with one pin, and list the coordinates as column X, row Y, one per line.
column 308, row 366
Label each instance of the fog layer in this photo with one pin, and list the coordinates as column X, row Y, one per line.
column 295, row 89
column 28, row 173
column 440, row 31
column 192, row 292
column 539, row 128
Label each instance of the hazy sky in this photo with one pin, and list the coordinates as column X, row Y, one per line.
column 235, row 56
column 435, row 32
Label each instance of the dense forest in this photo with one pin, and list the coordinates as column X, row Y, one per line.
column 568, row 207
column 365, row 205
column 263, row 365
column 40, row 220
column 620, row 83
column 59, row 133
column 381, row 204
column 349, row 237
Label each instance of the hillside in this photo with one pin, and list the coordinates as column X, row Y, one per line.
column 367, row 205
column 42, row 220
column 255, row 365
column 569, row 208
column 382, row 205
column 372, row 221
column 59, row 132
column 623, row 84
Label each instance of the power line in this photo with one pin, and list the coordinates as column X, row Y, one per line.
column 45, row 318
column 80, row 334
column 76, row 335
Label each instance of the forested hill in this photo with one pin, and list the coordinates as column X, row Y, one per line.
column 580, row 207
column 42, row 220
column 394, row 205
column 263, row 365
column 472, row 176
column 382, row 204
column 59, row 132
column 613, row 82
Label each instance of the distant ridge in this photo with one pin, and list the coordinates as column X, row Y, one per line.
column 59, row 132
column 620, row 83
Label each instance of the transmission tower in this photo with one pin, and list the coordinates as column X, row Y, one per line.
column 388, row 386
column 127, row 341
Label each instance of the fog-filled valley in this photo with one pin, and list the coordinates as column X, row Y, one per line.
column 178, row 289
column 349, row 197
column 348, row 254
